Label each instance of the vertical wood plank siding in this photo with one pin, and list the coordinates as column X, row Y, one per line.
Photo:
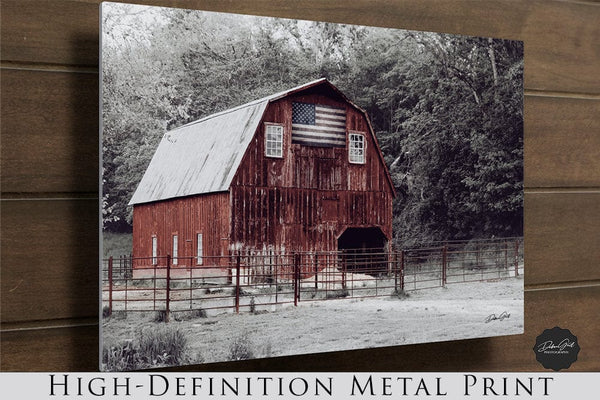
column 304, row 200
column 185, row 217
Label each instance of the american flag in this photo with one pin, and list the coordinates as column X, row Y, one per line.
column 318, row 125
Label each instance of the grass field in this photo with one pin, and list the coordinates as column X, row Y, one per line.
column 457, row 311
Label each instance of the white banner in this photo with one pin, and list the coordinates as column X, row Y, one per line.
column 161, row 385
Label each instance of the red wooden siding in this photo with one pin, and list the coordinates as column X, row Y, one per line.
column 186, row 217
column 311, row 167
column 305, row 200
column 303, row 219
column 302, row 201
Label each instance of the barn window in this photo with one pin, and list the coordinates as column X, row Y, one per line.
column 154, row 250
column 199, row 249
column 356, row 150
column 274, row 141
column 175, row 252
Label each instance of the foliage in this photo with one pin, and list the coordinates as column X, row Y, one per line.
column 160, row 316
column 116, row 244
column 447, row 109
column 337, row 294
column 153, row 347
column 241, row 348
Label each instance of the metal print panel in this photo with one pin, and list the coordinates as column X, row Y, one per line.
column 275, row 187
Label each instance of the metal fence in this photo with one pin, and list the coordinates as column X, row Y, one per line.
column 259, row 281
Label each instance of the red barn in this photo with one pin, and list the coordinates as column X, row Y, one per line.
column 299, row 170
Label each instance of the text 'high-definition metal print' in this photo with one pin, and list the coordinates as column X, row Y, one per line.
column 273, row 187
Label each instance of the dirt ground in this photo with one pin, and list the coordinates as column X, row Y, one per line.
column 458, row 311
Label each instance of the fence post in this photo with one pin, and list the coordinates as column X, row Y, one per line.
column 505, row 255
column 110, row 284
column 396, row 267
column 238, row 263
column 154, row 291
column 344, row 265
column 191, row 288
column 167, row 303
column 444, row 264
column 296, row 278
column 402, row 270
column 517, row 257
column 126, row 292
column 276, row 276
column 316, row 272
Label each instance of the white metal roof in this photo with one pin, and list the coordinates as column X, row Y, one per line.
column 203, row 156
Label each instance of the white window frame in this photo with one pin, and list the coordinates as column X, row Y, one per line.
column 175, row 245
column 154, row 250
column 199, row 249
column 274, row 146
column 357, row 154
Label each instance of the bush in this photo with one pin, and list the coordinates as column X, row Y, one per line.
column 401, row 294
column 241, row 349
column 164, row 346
column 118, row 314
column 116, row 244
column 160, row 316
column 338, row 294
column 188, row 315
column 121, row 357
column 153, row 347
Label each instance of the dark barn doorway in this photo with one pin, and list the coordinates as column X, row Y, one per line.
column 363, row 250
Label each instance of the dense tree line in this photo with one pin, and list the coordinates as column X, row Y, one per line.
column 447, row 110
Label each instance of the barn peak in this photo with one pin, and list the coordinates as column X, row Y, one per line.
column 203, row 156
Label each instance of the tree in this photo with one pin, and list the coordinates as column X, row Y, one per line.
column 447, row 110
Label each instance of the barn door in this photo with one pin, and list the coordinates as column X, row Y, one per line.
column 363, row 250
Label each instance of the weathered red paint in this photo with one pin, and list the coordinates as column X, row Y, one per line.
column 301, row 202
column 306, row 199
column 185, row 217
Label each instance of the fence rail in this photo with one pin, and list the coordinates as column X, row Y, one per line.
column 263, row 280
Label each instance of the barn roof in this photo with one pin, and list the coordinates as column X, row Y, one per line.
column 203, row 156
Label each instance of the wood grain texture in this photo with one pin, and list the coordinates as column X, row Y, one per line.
column 561, row 50
column 47, row 31
column 55, row 349
column 49, row 259
column 74, row 349
column 49, row 132
column 562, row 142
column 562, row 237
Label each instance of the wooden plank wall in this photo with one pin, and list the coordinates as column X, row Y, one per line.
column 50, row 186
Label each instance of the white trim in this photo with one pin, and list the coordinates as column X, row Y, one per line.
column 357, row 154
column 175, row 249
column 199, row 249
column 274, row 147
column 154, row 250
